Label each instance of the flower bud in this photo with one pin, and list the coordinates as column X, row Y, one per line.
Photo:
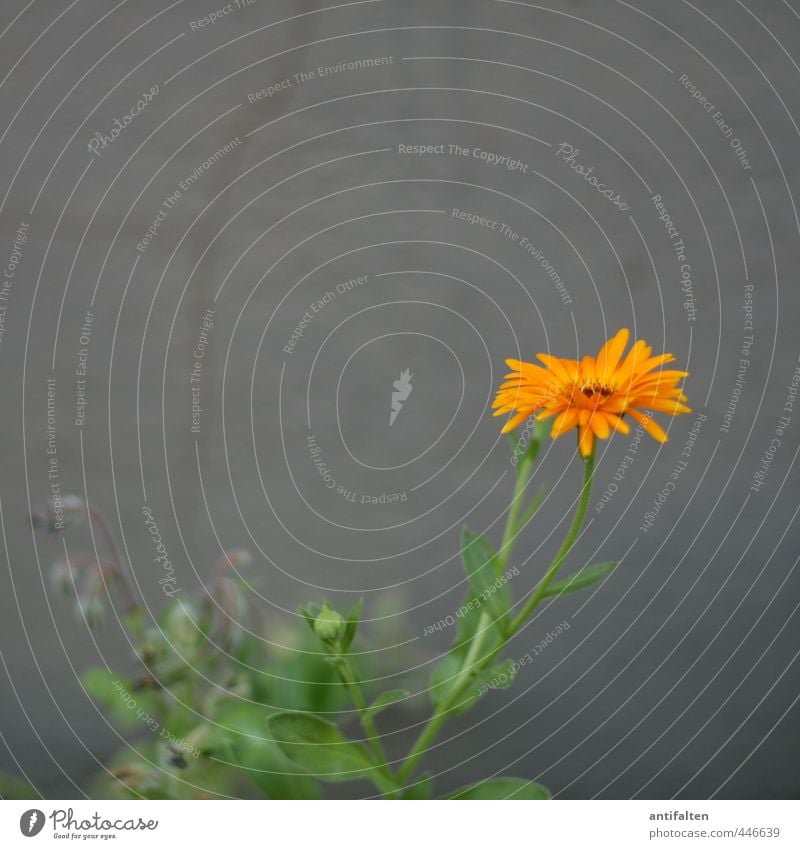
column 329, row 625
column 181, row 622
column 228, row 605
column 92, row 609
column 236, row 558
column 59, row 514
column 62, row 578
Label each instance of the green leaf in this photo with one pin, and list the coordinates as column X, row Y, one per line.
column 479, row 550
column 310, row 614
column 105, row 687
column 256, row 753
column 16, row 788
column 421, row 789
column 486, row 592
column 115, row 694
column 135, row 620
column 467, row 618
column 503, row 788
column 301, row 679
column 352, row 624
column 385, row 700
column 180, row 623
column 442, row 681
column 318, row 747
column 128, row 704
column 581, row 579
column 498, row 677
column 442, row 678
column 480, row 564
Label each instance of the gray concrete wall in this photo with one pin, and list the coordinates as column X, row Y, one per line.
column 678, row 676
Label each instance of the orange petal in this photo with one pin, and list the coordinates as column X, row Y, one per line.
column 556, row 366
column 653, row 362
column 668, row 375
column 609, row 356
column 565, row 421
column 664, row 405
column 586, row 441
column 618, row 403
column 549, row 409
column 515, row 421
column 599, row 425
column 529, row 370
column 637, row 354
column 653, row 428
column 616, row 422
column 589, row 369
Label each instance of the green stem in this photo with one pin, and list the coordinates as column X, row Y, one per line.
column 569, row 541
column 474, row 663
column 429, row 732
column 354, row 688
column 510, row 531
column 532, row 508
column 471, row 661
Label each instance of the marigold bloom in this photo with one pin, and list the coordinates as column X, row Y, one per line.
column 594, row 394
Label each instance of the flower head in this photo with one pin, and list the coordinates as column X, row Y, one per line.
column 594, row 394
column 329, row 625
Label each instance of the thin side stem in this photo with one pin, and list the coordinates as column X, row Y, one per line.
column 123, row 567
column 354, row 688
column 532, row 508
column 510, row 531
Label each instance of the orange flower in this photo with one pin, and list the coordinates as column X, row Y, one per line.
column 594, row 394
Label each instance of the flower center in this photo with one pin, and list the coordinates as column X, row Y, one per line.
column 591, row 389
